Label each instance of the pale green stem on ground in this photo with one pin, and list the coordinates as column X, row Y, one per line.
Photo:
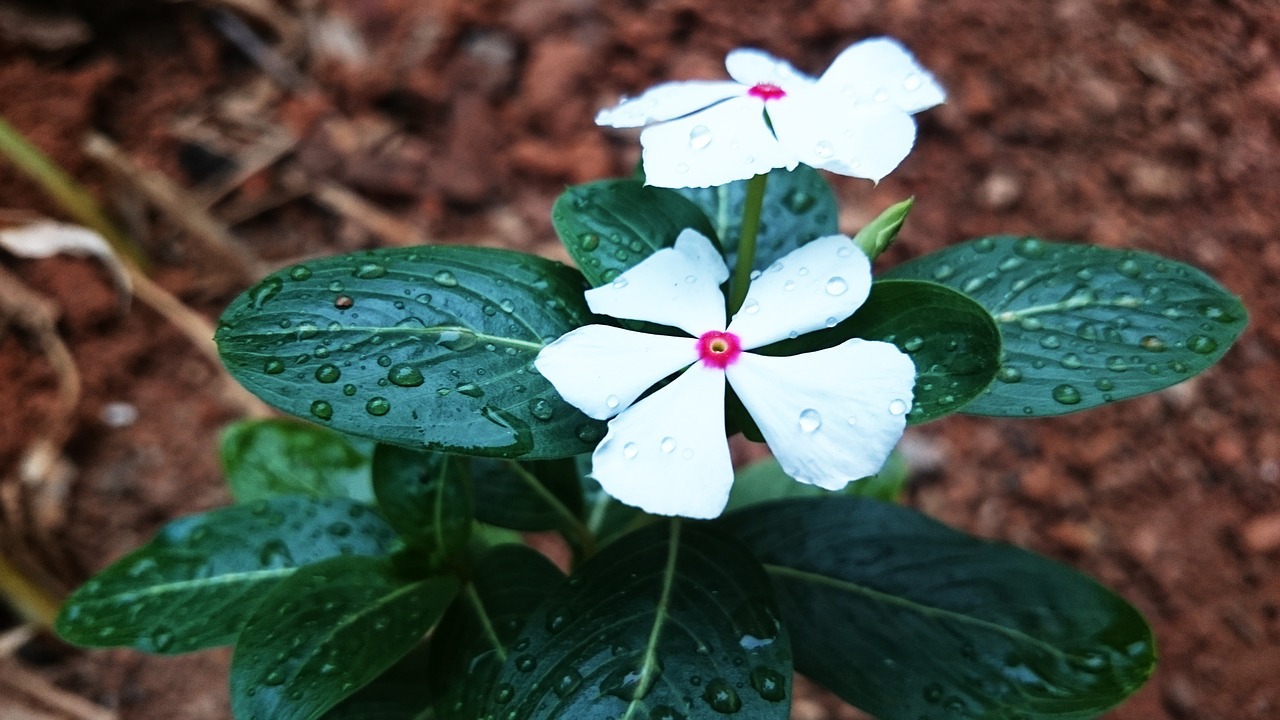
column 747, row 242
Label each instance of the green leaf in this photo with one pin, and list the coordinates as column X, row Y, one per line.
column 400, row 693
column 610, row 225
column 476, row 634
column 906, row 618
column 798, row 207
column 876, row 236
column 764, row 481
column 1084, row 325
column 953, row 342
column 670, row 621
column 527, row 496
column 196, row 583
column 428, row 347
column 266, row 458
column 426, row 498
column 327, row 631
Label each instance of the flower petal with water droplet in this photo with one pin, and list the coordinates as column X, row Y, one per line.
column 846, row 390
column 738, row 145
column 667, row 454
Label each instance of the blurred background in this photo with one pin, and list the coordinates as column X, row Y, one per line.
column 229, row 137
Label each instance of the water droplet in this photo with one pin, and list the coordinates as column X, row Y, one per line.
column 1201, row 344
column 299, row 272
column 1115, row 363
column 328, row 373
column 771, row 685
column 377, row 406
column 470, row 389
column 824, row 149
column 933, row 693
column 444, row 278
column 1008, row 264
column 912, row 82
column 619, row 283
column 405, row 375
column 589, row 241
column 942, row 272
column 1030, row 248
column 837, row 286
column 1072, row 361
column 322, row 409
column 504, row 693
column 898, row 407
column 810, row 420
column 799, row 201
column 751, row 307
column 1009, row 375
column 541, row 409
column 567, row 683
column 1151, row 343
column 507, row 305
column 1129, row 268
column 369, row 271
column 526, row 663
column 668, row 445
column 275, row 554
column 973, row 285
column 682, row 168
column 275, row 677
column 913, row 344
column 630, row 450
column 589, row 434
column 273, row 366
column 1066, row 394
column 699, row 137
column 1050, row 342
column 343, row 302
column 789, row 285
column 264, row 291
column 721, row 696
column 612, row 402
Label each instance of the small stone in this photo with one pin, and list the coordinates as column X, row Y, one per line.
column 1262, row 533
column 1153, row 181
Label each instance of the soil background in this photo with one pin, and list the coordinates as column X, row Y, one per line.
column 314, row 128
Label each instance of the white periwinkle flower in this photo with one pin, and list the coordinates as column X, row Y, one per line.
column 854, row 120
column 830, row 416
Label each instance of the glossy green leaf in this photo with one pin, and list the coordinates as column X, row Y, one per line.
column 876, row 236
column 610, row 225
column 953, row 342
column 426, row 498
column 673, row 620
column 906, row 618
column 325, row 632
column 527, row 496
column 267, row 458
column 401, row 692
column 476, row 635
column 765, row 481
column 1085, row 325
column 428, row 347
column 798, row 207
column 196, row 583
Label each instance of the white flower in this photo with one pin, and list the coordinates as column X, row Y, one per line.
column 830, row 416
column 854, row 120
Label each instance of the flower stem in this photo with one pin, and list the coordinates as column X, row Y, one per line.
column 747, row 242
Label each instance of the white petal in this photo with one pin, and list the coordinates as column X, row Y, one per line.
column 830, row 416
column 668, row 102
column 723, row 143
column 867, row 140
column 601, row 370
column 677, row 286
column 881, row 70
column 756, row 67
column 814, row 286
column 668, row 455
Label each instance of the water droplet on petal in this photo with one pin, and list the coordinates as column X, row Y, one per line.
column 789, row 285
column 912, row 82
column 837, row 286
column 619, row 283
column 1201, row 344
column 699, row 137
column 898, row 407
column 682, row 168
column 630, row 450
column 377, row 406
column 612, row 401
column 322, row 409
column 668, row 445
column 751, row 307
column 810, row 420
column 1066, row 394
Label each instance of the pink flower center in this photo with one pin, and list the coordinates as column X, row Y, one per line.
column 767, row 92
column 719, row 349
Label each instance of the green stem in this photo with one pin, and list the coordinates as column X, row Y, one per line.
column 74, row 199
column 747, row 242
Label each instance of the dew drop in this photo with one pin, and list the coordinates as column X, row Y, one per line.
column 444, row 278
column 942, row 272
column 721, row 696
column 275, row 677
column 369, row 271
column 1129, row 268
column 789, row 285
column 668, row 445
column 328, row 373
column 1009, row 375
column 541, row 409
column 567, row 683
column 612, row 402
column 837, row 286
column 751, row 307
column 1050, row 342
column 771, row 684
column 630, row 450
column 933, row 693
column 810, row 420
column 619, row 283
column 526, row 663
column 1066, row 394
column 1201, row 344
column 1115, row 363
column 343, row 302
column 1104, row 384
column 1151, row 343
column 322, row 409
column 589, row 241
column 264, row 291
column 984, row 245
column 273, row 366
column 470, row 390
column 912, row 82
column 898, row 407
column 300, row 272
column 377, row 406
column 699, row 137
column 799, row 201
column 913, row 344
column 682, row 168
column 405, row 375
column 1072, row 361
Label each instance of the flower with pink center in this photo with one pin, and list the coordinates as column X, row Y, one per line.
column 853, row 120
column 830, row 416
